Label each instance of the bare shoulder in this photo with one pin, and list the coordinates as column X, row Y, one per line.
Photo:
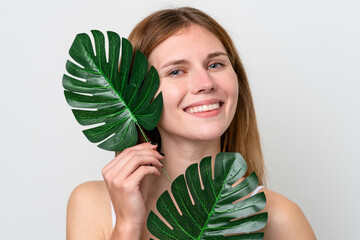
column 88, row 212
column 285, row 219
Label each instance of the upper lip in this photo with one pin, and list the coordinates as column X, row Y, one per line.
column 204, row 102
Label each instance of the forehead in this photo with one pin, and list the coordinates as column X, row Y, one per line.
column 190, row 42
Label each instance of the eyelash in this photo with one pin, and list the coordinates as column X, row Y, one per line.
column 178, row 71
column 216, row 63
column 172, row 73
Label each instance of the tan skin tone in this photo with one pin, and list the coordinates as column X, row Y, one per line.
column 194, row 71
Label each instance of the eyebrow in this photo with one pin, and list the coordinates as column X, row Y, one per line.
column 215, row 54
column 183, row 61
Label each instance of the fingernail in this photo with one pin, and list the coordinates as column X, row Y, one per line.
column 162, row 154
column 154, row 143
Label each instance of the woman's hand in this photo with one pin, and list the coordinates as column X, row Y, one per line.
column 124, row 178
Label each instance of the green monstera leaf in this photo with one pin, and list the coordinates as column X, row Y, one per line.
column 116, row 101
column 213, row 213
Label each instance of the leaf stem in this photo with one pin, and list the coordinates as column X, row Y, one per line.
column 142, row 132
column 147, row 142
column 166, row 174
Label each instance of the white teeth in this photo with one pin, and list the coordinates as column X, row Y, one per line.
column 204, row 108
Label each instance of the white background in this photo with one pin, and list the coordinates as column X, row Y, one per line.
column 302, row 59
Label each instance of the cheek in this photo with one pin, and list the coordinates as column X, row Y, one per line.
column 167, row 99
column 173, row 93
column 232, row 87
column 236, row 92
column 172, row 97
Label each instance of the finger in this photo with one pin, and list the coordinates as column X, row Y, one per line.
column 126, row 152
column 131, row 161
column 132, row 183
column 142, row 160
column 132, row 155
column 131, row 166
column 141, row 172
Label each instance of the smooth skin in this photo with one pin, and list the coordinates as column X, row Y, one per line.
column 194, row 70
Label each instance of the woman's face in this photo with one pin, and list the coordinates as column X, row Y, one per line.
column 198, row 83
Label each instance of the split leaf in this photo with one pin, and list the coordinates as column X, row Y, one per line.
column 116, row 101
column 213, row 213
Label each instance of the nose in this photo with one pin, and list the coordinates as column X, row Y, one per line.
column 202, row 82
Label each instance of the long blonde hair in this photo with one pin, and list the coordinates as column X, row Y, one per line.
column 242, row 135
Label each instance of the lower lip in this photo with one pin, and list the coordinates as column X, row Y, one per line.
column 206, row 114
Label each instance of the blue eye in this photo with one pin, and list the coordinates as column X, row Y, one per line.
column 175, row 72
column 215, row 65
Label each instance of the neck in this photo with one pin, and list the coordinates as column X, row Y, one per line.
column 179, row 154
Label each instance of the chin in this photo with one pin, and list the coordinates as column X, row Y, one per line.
column 195, row 132
column 208, row 135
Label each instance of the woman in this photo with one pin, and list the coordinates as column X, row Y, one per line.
column 207, row 109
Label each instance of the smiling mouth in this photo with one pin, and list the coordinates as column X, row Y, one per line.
column 204, row 108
